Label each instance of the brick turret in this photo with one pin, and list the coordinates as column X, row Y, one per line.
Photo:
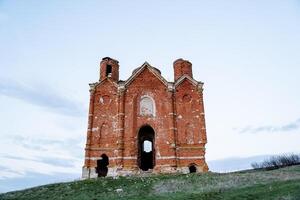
column 182, row 67
column 109, row 68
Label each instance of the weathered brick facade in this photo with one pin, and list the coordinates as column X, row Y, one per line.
column 169, row 116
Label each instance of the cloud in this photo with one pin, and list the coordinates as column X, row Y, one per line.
column 39, row 155
column 39, row 158
column 21, row 167
column 295, row 125
column 34, row 179
column 41, row 96
column 43, row 144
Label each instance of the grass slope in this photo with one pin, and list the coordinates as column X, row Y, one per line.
column 276, row 184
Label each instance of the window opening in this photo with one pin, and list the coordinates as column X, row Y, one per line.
column 108, row 70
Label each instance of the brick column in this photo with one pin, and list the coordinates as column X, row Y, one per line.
column 202, row 115
column 90, row 124
column 203, row 136
column 175, row 126
column 121, row 115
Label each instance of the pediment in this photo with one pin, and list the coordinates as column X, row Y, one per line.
column 139, row 70
column 190, row 79
column 93, row 86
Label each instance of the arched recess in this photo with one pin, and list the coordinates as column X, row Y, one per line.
column 189, row 134
column 147, row 106
column 102, row 164
column 103, row 132
column 146, row 150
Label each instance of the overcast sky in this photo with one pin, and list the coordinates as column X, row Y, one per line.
column 246, row 52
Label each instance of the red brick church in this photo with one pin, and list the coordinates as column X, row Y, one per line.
column 145, row 123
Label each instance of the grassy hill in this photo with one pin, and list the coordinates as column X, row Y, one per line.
column 276, row 184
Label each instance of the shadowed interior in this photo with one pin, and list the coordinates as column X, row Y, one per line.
column 146, row 154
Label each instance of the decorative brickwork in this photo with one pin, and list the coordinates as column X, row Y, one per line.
column 145, row 123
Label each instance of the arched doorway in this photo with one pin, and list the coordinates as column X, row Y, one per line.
column 192, row 168
column 102, row 164
column 146, row 151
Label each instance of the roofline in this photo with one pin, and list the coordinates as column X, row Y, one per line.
column 182, row 78
column 96, row 84
column 169, row 85
column 152, row 69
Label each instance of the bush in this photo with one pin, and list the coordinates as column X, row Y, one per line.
column 276, row 162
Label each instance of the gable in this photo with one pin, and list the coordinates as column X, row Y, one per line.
column 186, row 85
column 145, row 73
column 186, row 78
column 146, row 79
column 106, row 83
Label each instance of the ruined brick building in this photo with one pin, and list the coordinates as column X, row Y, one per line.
column 145, row 123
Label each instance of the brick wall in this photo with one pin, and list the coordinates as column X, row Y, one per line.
column 175, row 112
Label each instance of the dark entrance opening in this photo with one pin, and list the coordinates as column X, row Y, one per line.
column 192, row 169
column 146, row 151
column 102, row 164
column 108, row 70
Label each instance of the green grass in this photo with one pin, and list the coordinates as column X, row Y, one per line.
column 276, row 184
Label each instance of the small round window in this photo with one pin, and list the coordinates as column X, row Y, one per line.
column 186, row 98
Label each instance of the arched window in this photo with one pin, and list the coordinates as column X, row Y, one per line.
column 147, row 106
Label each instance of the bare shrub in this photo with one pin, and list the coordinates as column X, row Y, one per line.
column 276, row 162
column 255, row 165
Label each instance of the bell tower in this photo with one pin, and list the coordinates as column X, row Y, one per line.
column 182, row 67
column 109, row 68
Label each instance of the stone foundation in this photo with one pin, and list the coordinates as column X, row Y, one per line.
column 114, row 172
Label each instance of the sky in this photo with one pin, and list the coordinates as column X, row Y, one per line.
column 246, row 52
